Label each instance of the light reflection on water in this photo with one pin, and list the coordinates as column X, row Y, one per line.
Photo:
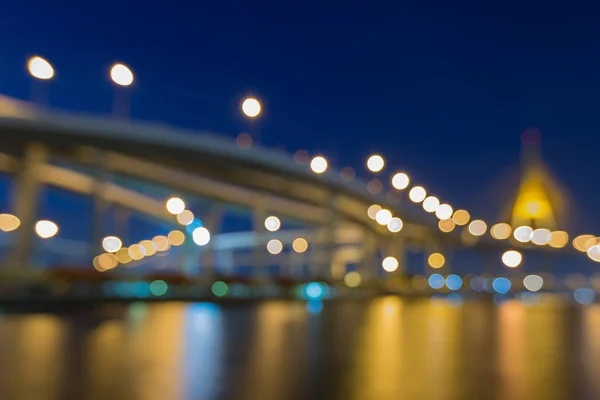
column 387, row 348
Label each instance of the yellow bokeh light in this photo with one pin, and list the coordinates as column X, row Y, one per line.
column 9, row 222
column 580, row 241
column 107, row 261
column 390, row 264
column 300, row 245
column 375, row 163
column 559, row 239
column 512, row 258
column 185, row 217
column 417, row 194
column 446, row 225
column 436, row 260
column 477, row 227
column 149, row 247
column 352, row 279
column 251, row 107
column 373, row 210
column 123, row 255
column 136, row 252
column 176, row 238
column 161, row 243
column 461, row 217
column 318, row 164
column 501, row 231
column 400, row 181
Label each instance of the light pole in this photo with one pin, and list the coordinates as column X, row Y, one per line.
column 122, row 77
column 251, row 108
column 41, row 71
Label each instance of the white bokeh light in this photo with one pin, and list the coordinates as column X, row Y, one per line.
column 533, row 283
column 251, row 107
column 395, row 225
column 400, row 181
column 383, row 217
column 201, row 236
column 375, row 163
column 111, row 244
column 40, row 68
column 318, row 164
column 175, row 205
column 417, row 194
column 272, row 223
column 512, row 258
column 390, row 264
column 121, row 75
column 46, row 229
column 523, row 233
column 430, row 204
column 274, row 246
column 444, row 211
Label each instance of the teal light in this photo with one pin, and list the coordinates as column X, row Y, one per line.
column 219, row 289
column 158, row 288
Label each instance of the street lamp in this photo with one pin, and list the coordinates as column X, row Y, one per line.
column 251, row 107
column 122, row 77
column 40, row 70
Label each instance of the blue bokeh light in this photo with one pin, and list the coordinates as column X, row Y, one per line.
column 436, row 281
column 501, row 285
column 584, row 296
column 314, row 290
column 453, row 282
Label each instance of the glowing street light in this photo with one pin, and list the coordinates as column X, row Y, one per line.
column 121, row 75
column 512, row 258
column 375, row 163
column 46, row 229
column 318, row 164
column 175, row 205
column 251, row 107
column 40, row 68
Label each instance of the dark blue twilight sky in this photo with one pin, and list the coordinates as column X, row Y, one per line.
column 443, row 90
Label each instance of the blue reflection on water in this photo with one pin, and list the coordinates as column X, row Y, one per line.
column 202, row 350
column 314, row 306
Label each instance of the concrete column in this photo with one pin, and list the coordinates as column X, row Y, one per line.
column 100, row 205
column 396, row 248
column 25, row 204
column 259, row 214
column 208, row 255
column 369, row 263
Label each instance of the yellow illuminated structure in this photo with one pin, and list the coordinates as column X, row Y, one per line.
column 539, row 202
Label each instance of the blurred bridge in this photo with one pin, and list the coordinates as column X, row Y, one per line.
column 307, row 220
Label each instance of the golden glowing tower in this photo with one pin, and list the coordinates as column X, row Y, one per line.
column 539, row 202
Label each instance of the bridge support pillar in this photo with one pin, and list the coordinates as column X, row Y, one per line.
column 368, row 268
column 25, row 203
column 259, row 214
column 328, row 267
column 397, row 250
column 208, row 256
column 99, row 202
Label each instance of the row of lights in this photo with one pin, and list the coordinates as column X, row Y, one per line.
column 44, row 229
column 40, row 68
